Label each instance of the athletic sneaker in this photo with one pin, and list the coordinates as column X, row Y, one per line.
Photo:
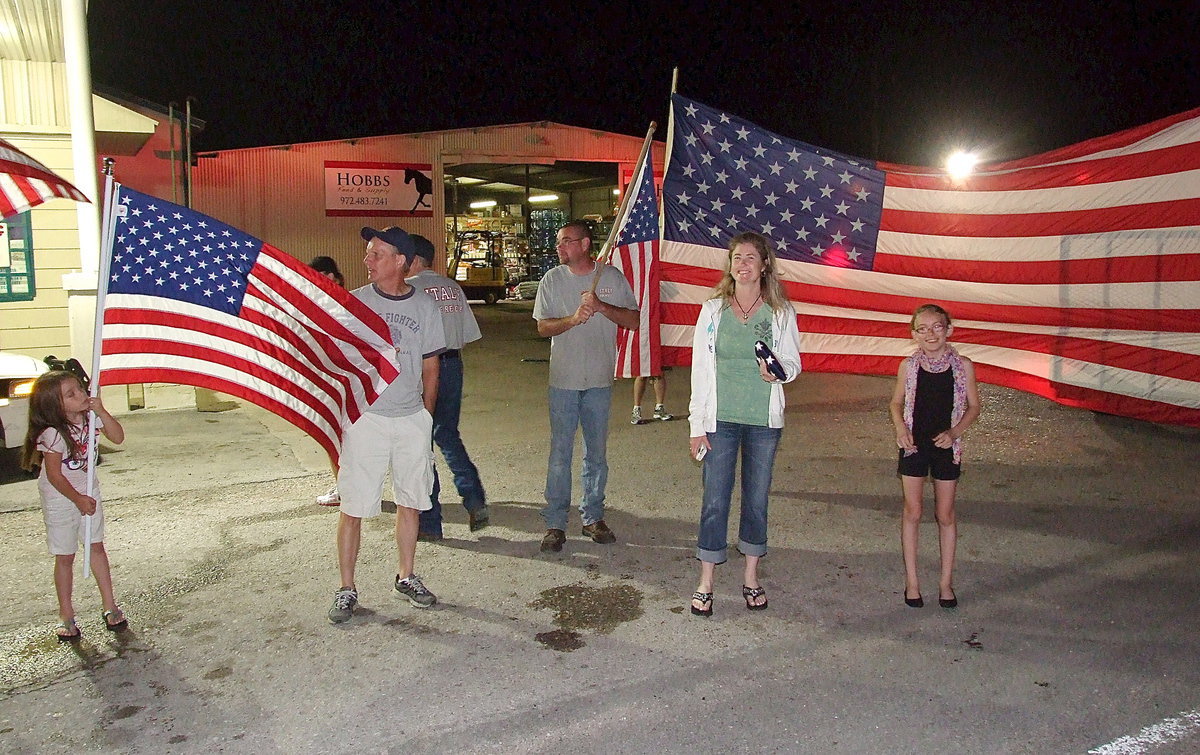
column 332, row 498
column 660, row 412
column 415, row 590
column 636, row 417
column 344, row 601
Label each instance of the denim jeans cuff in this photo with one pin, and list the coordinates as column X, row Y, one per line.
column 712, row 557
column 474, row 505
column 555, row 523
column 748, row 549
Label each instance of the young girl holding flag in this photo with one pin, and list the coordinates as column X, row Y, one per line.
column 58, row 440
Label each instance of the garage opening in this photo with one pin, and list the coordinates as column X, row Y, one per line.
column 501, row 220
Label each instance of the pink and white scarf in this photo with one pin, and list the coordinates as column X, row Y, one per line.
column 948, row 361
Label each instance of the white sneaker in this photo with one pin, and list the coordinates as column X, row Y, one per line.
column 636, row 417
column 332, row 498
column 660, row 412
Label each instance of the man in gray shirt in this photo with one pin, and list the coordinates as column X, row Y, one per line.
column 396, row 430
column 459, row 324
column 582, row 327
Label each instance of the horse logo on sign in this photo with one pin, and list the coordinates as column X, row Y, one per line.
column 422, row 183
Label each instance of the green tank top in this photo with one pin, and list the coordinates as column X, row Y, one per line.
column 742, row 395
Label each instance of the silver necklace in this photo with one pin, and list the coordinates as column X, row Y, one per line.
column 745, row 311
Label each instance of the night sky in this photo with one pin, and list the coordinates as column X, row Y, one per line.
column 902, row 82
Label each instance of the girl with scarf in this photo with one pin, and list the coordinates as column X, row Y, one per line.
column 934, row 403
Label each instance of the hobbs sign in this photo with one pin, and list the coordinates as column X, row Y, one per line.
column 378, row 189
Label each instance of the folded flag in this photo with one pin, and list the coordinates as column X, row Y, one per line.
column 769, row 360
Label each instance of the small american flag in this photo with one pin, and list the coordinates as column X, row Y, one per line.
column 194, row 301
column 635, row 252
column 26, row 183
column 1074, row 274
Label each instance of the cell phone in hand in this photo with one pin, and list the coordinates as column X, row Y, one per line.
column 700, row 452
column 774, row 367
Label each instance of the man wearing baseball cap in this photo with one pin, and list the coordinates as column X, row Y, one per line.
column 396, row 430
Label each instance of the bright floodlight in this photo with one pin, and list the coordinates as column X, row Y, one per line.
column 961, row 164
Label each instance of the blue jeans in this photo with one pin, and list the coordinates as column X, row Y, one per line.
column 757, row 445
column 446, row 413
column 570, row 410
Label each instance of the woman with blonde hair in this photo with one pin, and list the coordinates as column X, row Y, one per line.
column 737, row 406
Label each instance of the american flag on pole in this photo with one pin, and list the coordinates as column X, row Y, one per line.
column 194, row 301
column 635, row 253
column 25, row 183
column 1074, row 275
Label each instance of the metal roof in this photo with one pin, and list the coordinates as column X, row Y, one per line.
column 31, row 30
column 469, row 130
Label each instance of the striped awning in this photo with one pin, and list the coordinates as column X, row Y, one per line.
column 25, row 183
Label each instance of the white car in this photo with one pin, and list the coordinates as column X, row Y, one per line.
column 17, row 373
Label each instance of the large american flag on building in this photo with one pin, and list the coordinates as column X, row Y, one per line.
column 26, row 183
column 635, row 252
column 194, row 301
column 1074, row 274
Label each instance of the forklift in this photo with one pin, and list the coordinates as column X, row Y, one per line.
column 478, row 265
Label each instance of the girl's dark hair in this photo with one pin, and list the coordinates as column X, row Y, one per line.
column 45, row 411
column 328, row 266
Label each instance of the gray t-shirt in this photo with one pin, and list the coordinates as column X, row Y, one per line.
column 458, row 321
column 586, row 355
column 416, row 329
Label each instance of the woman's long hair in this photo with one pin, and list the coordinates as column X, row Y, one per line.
column 45, row 411
column 772, row 289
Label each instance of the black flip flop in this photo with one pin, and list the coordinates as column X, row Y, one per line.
column 754, row 593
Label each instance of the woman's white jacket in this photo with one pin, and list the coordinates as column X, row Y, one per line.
column 785, row 338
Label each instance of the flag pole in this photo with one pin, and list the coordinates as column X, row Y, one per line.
column 93, row 448
column 662, row 216
column 606, row 250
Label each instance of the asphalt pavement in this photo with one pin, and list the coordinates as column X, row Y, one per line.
column 1077, row 580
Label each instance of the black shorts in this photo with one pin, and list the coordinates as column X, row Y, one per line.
column 929, row 459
